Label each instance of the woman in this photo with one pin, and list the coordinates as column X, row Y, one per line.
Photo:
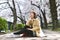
column 34, row 25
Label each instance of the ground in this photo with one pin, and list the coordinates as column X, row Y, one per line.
column 51, row 35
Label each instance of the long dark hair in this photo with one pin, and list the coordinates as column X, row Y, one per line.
column 35, row 16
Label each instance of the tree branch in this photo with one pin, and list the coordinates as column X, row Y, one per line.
column 19, row 10
column 22, row 20
column 9, row 5
column 37, row 6
column 4, row 8
column 3, row 3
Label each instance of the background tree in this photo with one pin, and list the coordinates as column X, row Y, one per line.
column 53, row 13
column 21, row 18
column 14, row 13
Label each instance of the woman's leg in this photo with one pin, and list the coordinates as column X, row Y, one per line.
column 34, row 34
column 29, row 33
column 20, row 31
column 25, row 31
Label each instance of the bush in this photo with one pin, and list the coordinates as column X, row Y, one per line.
column 11, row 27
column 3, row 24
column 20, row 26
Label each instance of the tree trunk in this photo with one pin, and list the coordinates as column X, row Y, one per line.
column 53, row 13
column 14, row 15
column 45, row 20
column 41, row 21
column 44, row 17
column 15, row 19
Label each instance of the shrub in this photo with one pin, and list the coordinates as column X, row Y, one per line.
column 3, row 24
column 20, row 26
column 11, row 27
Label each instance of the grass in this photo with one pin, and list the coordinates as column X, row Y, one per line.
column 50, row 26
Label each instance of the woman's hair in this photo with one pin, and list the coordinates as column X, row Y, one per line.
column 35, row 16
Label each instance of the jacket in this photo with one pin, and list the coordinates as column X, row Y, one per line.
column 35, row 23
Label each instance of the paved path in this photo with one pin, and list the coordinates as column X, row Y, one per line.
column 50, row 36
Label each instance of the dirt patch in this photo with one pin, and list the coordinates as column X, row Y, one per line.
column 1, row 33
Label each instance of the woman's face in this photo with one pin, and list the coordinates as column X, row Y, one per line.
column 31, row 15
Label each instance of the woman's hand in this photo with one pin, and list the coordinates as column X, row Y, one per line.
column 29, row 29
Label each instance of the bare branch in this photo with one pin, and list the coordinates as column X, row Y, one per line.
column 9, row 5
column 13, row 5
column 4, row 9
column 37, row 7
column 19, row 10
column 22, row 20
column 19, row 18
column 3, row 3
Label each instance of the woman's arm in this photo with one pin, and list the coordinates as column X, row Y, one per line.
column 36, row 25
column 27, row 23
